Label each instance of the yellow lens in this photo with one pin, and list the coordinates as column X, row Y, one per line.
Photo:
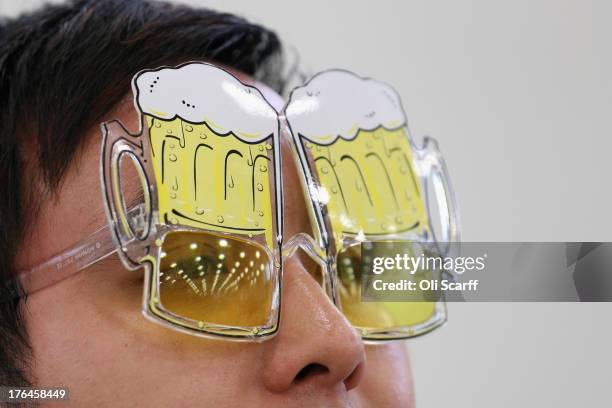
column 374, row 315
column 215, row 279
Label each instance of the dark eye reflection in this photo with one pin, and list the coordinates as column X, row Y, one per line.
column 208, row 264
column 190, row 268
column 215, row 278
column 189, row 260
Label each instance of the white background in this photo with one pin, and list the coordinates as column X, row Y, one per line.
column 519, row 94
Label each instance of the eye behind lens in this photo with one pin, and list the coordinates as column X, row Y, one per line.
column 215, row 279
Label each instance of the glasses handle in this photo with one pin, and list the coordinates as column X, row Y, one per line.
column 435, row 174
column 130, row 229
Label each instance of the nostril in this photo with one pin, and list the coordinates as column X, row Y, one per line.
column 311, row 370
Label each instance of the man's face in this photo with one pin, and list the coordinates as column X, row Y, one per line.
column 88, row 333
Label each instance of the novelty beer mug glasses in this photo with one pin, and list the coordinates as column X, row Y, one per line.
column 208, row 228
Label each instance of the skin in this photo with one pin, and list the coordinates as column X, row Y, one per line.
column 88, row 334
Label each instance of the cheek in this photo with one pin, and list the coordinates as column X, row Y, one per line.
column 89, row 334
column 77, row 323
column 387, row 381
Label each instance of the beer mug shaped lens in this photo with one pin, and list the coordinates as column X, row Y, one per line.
column 360, row 171
column 208, row 149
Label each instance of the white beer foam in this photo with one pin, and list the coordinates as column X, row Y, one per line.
column 200, row 93
column 339, row 103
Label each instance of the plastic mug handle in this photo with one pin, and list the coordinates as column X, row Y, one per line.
column 434, row 172
column 131, row 226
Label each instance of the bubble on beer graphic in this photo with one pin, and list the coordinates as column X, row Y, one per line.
column 354, row 133
column 211, row 140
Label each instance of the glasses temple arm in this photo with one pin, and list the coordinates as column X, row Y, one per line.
column 94, row 248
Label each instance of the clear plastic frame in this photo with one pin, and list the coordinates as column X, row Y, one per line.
column 207, row 222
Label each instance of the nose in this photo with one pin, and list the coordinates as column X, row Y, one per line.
column 315, row 344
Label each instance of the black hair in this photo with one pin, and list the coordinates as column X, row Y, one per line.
column 77, row 59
